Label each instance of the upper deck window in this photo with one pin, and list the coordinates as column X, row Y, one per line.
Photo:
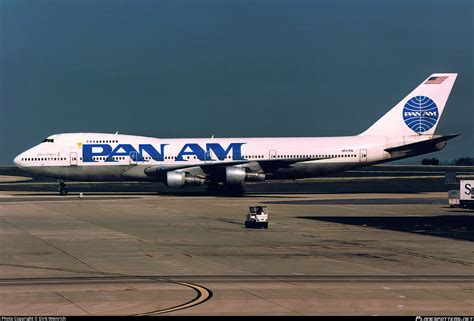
column 48, row 140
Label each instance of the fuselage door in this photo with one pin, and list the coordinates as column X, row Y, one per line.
column 133, row 158
column 272, row 154
column 209, row 156
column 363, row 155
column 73, row 159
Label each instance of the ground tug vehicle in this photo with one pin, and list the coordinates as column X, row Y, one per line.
column 257, row 217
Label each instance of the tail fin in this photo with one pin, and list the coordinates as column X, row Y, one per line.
column 419, row 112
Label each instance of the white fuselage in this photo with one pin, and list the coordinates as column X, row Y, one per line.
column 95, row 156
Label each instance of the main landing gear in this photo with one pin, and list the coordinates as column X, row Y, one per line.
column 62, row 189
column 225, row 190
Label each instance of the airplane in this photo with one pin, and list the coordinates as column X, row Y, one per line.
column 224, row 165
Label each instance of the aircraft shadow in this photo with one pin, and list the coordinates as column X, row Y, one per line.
column 361, row 201
column 458, row 227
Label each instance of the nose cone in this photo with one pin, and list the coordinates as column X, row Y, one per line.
column 18, row 161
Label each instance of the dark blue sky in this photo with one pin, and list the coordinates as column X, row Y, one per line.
column 229, row 68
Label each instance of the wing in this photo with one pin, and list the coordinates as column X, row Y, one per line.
column 217, row 169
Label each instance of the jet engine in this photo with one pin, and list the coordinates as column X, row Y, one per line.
column 179, row 179
column 238, row 175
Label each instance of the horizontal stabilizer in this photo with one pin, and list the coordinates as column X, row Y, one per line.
column 433, row 144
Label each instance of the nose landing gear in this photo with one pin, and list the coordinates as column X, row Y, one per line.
column 62, row 189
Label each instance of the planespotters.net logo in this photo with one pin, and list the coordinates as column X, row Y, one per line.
column 420, row 113
column 462, row 318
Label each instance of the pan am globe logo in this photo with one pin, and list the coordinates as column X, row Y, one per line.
column 420, row 113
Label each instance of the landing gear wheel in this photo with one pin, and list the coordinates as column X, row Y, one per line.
column 62, row 189
column 225, row 190
column 235, row 190
column 213, row 189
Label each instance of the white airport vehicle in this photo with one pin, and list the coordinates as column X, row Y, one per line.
column 226, row 164
column 257, row 217
column 466, row 194
column 453, row 198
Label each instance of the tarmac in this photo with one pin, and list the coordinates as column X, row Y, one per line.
column 149, row 254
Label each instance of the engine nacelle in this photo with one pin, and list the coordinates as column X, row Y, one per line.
column 238, row 175
column 179, row 179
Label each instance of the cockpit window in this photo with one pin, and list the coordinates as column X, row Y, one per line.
column 48, row 140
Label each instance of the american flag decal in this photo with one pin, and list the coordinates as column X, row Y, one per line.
column 435, row 80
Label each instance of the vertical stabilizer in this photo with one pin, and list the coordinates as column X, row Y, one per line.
column 419, row 112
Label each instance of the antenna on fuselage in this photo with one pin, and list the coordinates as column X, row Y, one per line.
column 116, row 132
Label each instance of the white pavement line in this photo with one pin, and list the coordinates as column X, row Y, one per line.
column 361, row 209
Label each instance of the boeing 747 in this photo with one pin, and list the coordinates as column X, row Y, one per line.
column 225, row 164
